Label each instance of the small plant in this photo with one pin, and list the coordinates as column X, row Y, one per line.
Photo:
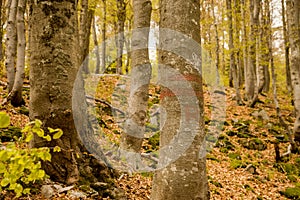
column 21, row 165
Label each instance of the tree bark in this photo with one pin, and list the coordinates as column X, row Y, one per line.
column 185, row 177
column 86, row 17
column 245, row 44
column 103, row 44
column 233, row 66
column 11, row 44
column 121, row 15
column 16, row 93
column 1, row 30
column 286, row 48
column 293, row 6
column 134, row 126
column 97, row 52
column 54, row 61
column 250, row 74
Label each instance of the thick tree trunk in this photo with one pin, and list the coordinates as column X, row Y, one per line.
column 16, row 93
column 11, row 44
column 134, row 126
column 293, row 6
column 286, row 48
column 54, row 64
column 185, row 177
column 120, row 37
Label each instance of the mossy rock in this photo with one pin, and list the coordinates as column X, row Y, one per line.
column 234, row 164
column 292, row 178
column 154, row 141
column 291, row 193
column 231, row 133
column 10, row 134
column 24, row 110
column 253, row 144
column 236, row 156
column 244, row 135
column 224, row 142
column 211, row 157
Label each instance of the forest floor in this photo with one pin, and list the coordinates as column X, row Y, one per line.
column 241, row 164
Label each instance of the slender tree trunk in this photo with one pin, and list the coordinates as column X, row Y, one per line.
column 286, row 48
column 245, row 45
column 134, row 126
column 128, row 45
column 233, row 66
column 16, row 93
column 97, row 52
column 265, row 59
column 251, row 75
column 121, row 6
column 183, row 178
column 293, row 7
column 11, row 44
column 253, row 51
column 262, row 53
column 1, row 31
column 86, row 17
column 103, row 44
column 216, row 37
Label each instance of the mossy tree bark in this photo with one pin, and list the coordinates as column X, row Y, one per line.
column 54, row 61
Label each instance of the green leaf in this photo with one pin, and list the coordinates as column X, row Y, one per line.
column 29, row 137
column 58, row 134
column 4, row 182
column 41, row 174
column 56, row 149
column 47, row 137
column 4, row 155
column 26, row 191
column 4, row 120
column 2, row 168
column 38, row 123
column 18, row 190
column 39, row 132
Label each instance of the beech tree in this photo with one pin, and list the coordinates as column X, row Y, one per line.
column 185, row 177
column 293, row 7
column 134, row 127
column 11, row 44
column 54, row 63
column 15, row 53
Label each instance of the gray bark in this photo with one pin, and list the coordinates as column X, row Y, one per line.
column 293, row 6
column 286, row 48
column 121, row 15
column 233, row 66
column 134, row 127
column 97, row 52
column 16, row 93
column 183, row 178
column 11, row 44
